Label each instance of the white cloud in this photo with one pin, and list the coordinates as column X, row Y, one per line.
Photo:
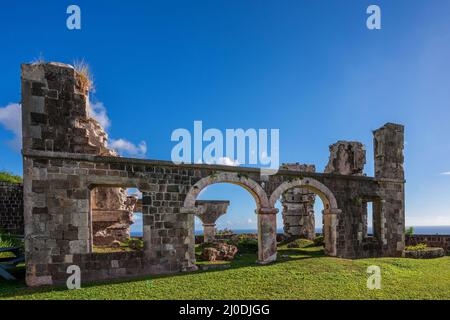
column 227, row 161
column 445, row 173
column 11, row 120
column 250, row 221
column 98, row 112
column 124, row 147
column 127, row 148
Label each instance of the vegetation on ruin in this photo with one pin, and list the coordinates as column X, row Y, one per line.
column 9, row 177
column 303, row 273
column 85, row 75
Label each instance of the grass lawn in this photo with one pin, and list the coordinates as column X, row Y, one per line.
column 299, row 274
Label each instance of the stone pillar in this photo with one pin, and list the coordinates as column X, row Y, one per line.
column 389, row 159
column 298, row 207
column 330, row 231
column 209, row 232
column 208, row 212
column 267, row 235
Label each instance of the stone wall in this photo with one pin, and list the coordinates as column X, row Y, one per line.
column 441, row 241
column 11, row 208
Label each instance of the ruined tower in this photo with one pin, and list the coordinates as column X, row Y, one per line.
column 389, row 214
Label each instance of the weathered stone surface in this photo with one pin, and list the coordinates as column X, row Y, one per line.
column 112, row 215
column 219, row 251
column 347, row 157
column 11, row 207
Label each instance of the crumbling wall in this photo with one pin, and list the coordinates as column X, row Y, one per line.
column 60, row 121
column 11, row 208
column 112, row 215
column 347, row 158
column 298, row 207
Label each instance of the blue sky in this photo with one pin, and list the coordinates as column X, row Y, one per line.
column 309, row 68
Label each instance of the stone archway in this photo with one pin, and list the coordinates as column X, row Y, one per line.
column 330, row 211
column 266, row 215
column 250, row 185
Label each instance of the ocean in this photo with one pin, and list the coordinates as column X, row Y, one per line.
column 430, row 230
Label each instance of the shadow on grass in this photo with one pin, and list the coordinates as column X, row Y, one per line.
column 17, row 288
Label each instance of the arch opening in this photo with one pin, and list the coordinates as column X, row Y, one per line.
column 298, row 204
column 253, row 188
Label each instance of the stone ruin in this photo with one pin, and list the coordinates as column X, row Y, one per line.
column 298, row 207
column 347, row 158
column 64, row 162
column 76, row 129
column 112, row 215
column 208, row 213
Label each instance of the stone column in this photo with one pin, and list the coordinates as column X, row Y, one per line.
column 209, row 232
column 267, row 235
column 330, row 231
column 208, row 211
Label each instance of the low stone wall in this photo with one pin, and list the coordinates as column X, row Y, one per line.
column 428, row 253
column 11, row 207
column 101, row 266
column 442, row 241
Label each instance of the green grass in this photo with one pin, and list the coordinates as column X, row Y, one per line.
column 303, row 273
column 9, row 177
